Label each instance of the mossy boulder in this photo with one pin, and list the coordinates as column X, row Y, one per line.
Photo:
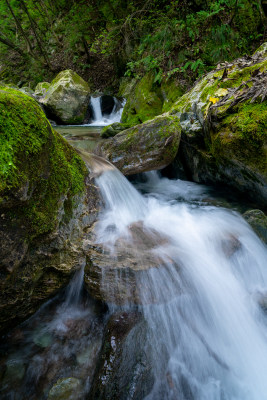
column 143, row 103
column 145, row 147
column 67, row 98
column 224, row 127
column 41, row 88
column 45, row 203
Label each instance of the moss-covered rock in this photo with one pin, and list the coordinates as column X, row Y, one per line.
column 143, row 103
column 145, row 147
column 112, row 129
column 258, row 220
column 224, row 126
column 45, row 203
column 67, row 98
column 66, row 389
column 171, row 91
column 41, row 88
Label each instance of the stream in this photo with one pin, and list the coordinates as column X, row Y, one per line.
column 201, row 304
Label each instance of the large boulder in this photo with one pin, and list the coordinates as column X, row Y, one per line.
column 224, row 127
column 46, row 201
column 145, row 147
column 67, row 98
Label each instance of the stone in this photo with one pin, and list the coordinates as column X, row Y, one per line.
column 120, row 275
column 41, row 88
column 67, row 98
column 149, row 146
column 66, row 389
column 46, row 202
column 124, row 371
column 258, row 221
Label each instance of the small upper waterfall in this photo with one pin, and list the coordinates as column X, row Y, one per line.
column 208, row 332
column 103, row 118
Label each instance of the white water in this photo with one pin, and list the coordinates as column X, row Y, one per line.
column 104, row 119
column 208, row 333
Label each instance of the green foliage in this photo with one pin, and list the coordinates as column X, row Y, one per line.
column 178, row 38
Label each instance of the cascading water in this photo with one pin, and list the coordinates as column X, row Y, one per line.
column 102, row 119
column 206, row 327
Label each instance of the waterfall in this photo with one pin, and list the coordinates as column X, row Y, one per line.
column 96, row 107
column 207, row 329
column 102, row 119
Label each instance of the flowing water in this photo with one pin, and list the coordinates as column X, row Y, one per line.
column 207, row 329
column 102, row 119
column 202, row 302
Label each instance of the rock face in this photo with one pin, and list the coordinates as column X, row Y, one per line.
column 67, row 98
column 144, row 102
column 46, row 200
column 224, row 127
column 124, row 368
column 152, row 145
column 147, row 99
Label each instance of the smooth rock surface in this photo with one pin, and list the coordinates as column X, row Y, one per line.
column 152, row 145
column 67, row 98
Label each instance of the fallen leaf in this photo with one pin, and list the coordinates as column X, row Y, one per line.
column 214, row 99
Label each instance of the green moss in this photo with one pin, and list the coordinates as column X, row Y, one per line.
column 144, row 103
column 249, row 122
column 171, row 91
column 37, row 161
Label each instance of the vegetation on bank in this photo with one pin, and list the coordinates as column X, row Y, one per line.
column 106, row 40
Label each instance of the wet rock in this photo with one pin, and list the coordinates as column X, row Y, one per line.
column 46, row 201
column 121, row 276
column 107, row 104
column 113, row 129
column 152, row 145
column 230, row 245
column 15, row 371
column 66, row 389
column 258, row 220
column 124, row 368
column 67, row 98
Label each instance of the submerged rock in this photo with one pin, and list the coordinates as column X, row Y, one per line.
column 46, row 200
column 152, row 145
column 224, row 127
column 258, row 220
column 67, row 98
column 122, row 275
column 124, row 369
column 66, row 389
